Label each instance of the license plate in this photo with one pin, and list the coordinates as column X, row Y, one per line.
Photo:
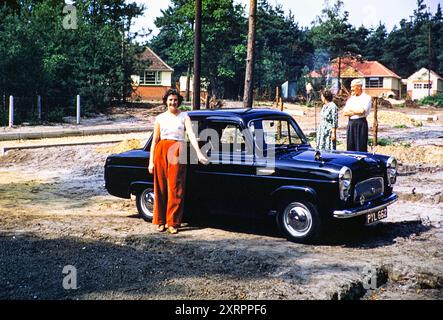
column 377, row 215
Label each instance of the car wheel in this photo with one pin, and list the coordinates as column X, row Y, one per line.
column 299, row 221
column 145, row 204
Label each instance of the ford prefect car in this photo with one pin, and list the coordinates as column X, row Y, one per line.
column 261, row 164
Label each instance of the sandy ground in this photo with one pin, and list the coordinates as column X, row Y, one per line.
column 55, row 212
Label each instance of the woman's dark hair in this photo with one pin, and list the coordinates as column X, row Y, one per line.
column 328, row 95
column 173, row 92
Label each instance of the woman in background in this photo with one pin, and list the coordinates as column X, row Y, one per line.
column 327, row 130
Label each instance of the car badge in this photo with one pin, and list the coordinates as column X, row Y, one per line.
column 362, row 199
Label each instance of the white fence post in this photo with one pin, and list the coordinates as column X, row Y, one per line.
column 11, row 111
column 78, row 109
column 39, row 107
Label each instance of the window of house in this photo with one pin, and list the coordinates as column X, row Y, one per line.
column 150, row 78
column 375, row 82
column 418, row 86
column 427, row 86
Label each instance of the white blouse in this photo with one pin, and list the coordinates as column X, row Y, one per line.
column 172, row 127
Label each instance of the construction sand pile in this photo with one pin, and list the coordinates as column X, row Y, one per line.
column 123, row 146
column 428, row 155
column 393, row 119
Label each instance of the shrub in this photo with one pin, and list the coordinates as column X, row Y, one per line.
column 436, row 100
column 4, row 117
column 55, row 115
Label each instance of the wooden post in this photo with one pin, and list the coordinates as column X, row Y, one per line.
column 280, row 107
column 277, row 97
column 375, row 125
column 11, row 111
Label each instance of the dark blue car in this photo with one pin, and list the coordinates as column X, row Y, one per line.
column 261, row 164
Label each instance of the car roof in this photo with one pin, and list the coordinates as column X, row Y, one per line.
column 245, row 114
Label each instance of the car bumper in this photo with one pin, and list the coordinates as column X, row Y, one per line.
column 371, row 206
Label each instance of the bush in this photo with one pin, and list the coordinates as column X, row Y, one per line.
column 4, row 118
column 436, row 100
column 56, row 115
column 381, row 142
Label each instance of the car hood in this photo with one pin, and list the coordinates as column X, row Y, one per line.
column 362, row 164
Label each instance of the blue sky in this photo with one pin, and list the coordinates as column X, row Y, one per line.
column 369, row 12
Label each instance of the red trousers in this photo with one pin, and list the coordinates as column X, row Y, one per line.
column 169, row 183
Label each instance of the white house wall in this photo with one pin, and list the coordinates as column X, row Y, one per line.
column 391, row 83
column 166, row 79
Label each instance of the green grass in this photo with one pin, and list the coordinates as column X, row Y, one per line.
column 405, row 144
column 381, row 142
column 185, row 108
column 400, row 126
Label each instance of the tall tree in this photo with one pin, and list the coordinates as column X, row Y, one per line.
column 333, row 33
column 374, row 48
column 249, row 74
column 223, row 26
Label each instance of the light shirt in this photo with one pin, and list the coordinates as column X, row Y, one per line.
column 362, row 101
column 172, row 127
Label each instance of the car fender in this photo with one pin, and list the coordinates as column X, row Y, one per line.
column 137, row 187
column 297, row 193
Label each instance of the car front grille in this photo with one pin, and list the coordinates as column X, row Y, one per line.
column 368, row 190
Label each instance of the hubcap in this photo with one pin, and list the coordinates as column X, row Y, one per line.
column 298, row 219
column 147, row 202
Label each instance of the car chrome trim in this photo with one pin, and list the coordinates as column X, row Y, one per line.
column 350, row 213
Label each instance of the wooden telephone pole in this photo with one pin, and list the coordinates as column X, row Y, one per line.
column 197, row 55
column 249, row 77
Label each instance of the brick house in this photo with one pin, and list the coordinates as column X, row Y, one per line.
column 378, row 80
column 151, row 83
column 419, row 85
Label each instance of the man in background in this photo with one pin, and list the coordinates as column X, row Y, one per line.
column 357, row 108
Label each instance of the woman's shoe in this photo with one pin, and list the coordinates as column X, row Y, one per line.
column 161, row 228
column 172, row 230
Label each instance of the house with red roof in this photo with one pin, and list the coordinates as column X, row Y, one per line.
column 153, row 81
column 378, row 79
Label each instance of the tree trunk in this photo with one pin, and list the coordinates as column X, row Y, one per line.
column 249, row 77
column 197, row 55
column 188, row 82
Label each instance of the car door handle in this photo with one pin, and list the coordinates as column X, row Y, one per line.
column 265, row 171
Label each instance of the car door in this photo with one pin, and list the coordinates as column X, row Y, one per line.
column 226, row 184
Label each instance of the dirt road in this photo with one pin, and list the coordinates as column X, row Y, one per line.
column 55, row 212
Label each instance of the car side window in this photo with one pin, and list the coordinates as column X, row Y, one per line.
column 279, row 132
column 232, row 139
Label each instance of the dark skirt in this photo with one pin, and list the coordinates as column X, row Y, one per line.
column 357, row 135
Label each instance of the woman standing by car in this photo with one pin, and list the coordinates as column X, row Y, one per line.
column 169, row 174
column 327, row 131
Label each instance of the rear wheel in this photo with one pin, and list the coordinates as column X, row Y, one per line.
column 145, row 204
column 299, row 221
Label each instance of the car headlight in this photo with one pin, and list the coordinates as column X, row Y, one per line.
column 391, row 171
column 344, row 183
